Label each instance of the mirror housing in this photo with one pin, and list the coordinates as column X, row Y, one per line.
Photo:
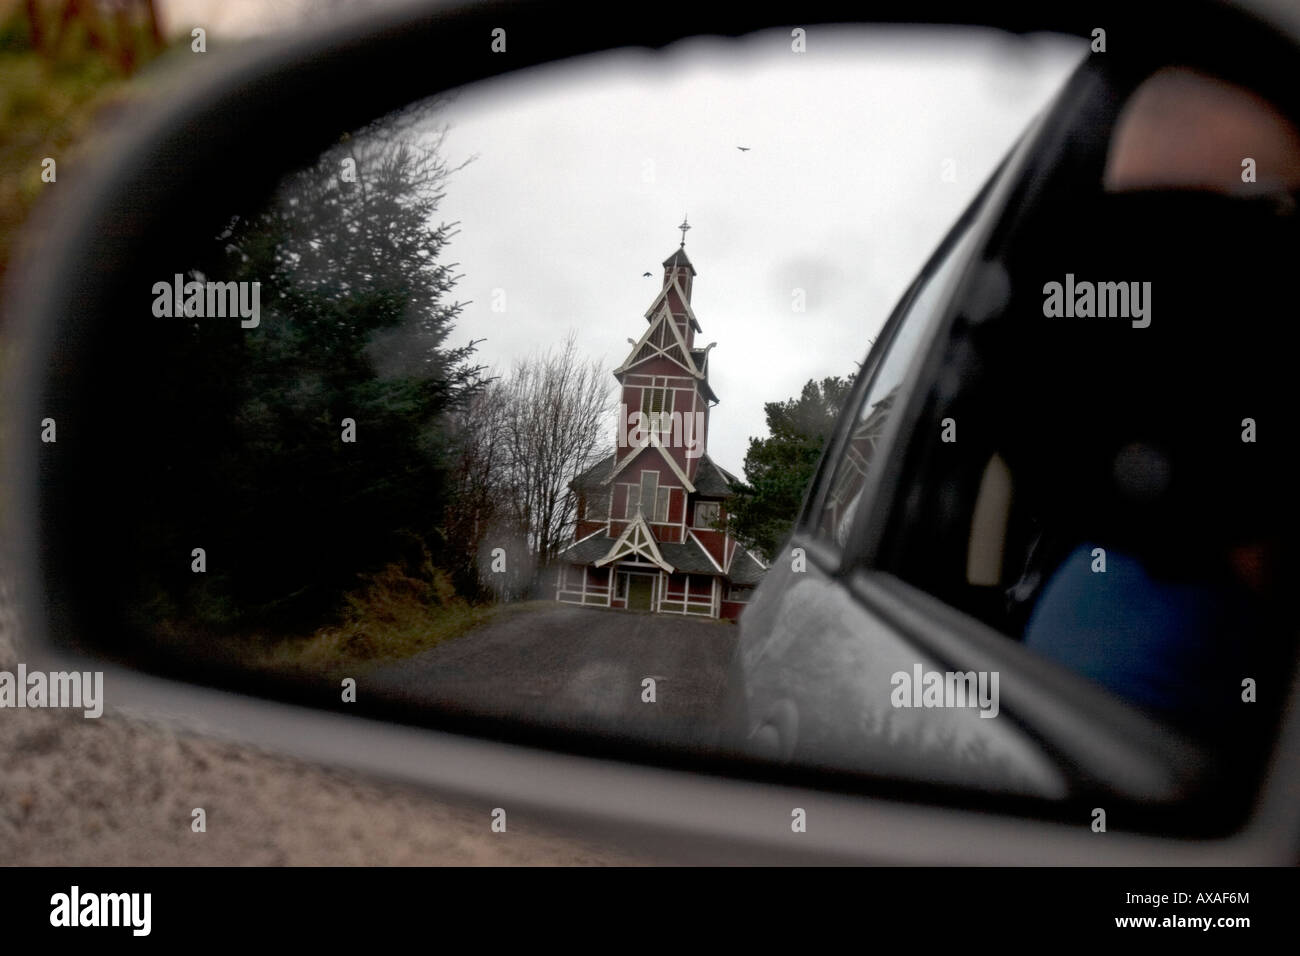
column 272, row 109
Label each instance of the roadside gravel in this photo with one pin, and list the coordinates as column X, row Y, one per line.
column 119, row 791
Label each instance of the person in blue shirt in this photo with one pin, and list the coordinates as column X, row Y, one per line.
column 1177, row 648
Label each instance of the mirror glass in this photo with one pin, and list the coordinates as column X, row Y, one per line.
column 506, row 406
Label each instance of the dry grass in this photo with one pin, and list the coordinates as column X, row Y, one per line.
column 392, row 616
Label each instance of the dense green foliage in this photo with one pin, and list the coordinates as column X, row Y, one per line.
column 355, row 317
column 778, row 468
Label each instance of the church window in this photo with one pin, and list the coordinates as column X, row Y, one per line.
column 706, row 513
column 657, row 407
column 649, row 488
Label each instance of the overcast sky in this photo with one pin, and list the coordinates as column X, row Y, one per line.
column 584, row 172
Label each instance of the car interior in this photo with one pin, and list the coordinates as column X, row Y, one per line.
column 1116, row 498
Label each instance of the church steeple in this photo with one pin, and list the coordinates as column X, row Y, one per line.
column 679, row 267
column 672, row 321
column 665, row 372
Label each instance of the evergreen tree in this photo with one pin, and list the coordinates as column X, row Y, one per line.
column 778, row 468
column 356, row 313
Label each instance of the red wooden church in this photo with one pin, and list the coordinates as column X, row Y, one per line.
column 650, row 515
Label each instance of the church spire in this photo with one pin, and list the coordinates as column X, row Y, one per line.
column 678, row 265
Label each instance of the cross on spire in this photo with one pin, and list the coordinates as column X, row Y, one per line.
column 683, row 227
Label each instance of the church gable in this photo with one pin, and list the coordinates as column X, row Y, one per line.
column 636, row 541
column 663, row 339
column 656, row 458
column 674, row 299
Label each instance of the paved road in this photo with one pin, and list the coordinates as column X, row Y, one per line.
column 579, row 667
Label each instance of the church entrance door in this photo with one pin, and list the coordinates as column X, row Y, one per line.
column 640, row 591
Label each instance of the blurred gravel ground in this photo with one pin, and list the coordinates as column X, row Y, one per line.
column 119, row 792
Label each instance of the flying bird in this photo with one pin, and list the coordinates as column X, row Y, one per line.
column 743, row 149
column 645, row 275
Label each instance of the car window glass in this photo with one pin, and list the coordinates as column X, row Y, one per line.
column 863, row 442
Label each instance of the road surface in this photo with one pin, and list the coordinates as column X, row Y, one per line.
column 580, row 668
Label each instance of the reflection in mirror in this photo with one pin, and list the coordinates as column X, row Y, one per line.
column 507, row 404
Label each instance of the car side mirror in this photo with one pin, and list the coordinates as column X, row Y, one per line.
column 257, row 445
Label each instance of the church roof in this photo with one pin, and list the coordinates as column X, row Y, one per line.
column 597, row 475
column 701, row 359
column 689, row 558
column 745, row 568
column 713, row 481
column 589, row 550
column 678, row 258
